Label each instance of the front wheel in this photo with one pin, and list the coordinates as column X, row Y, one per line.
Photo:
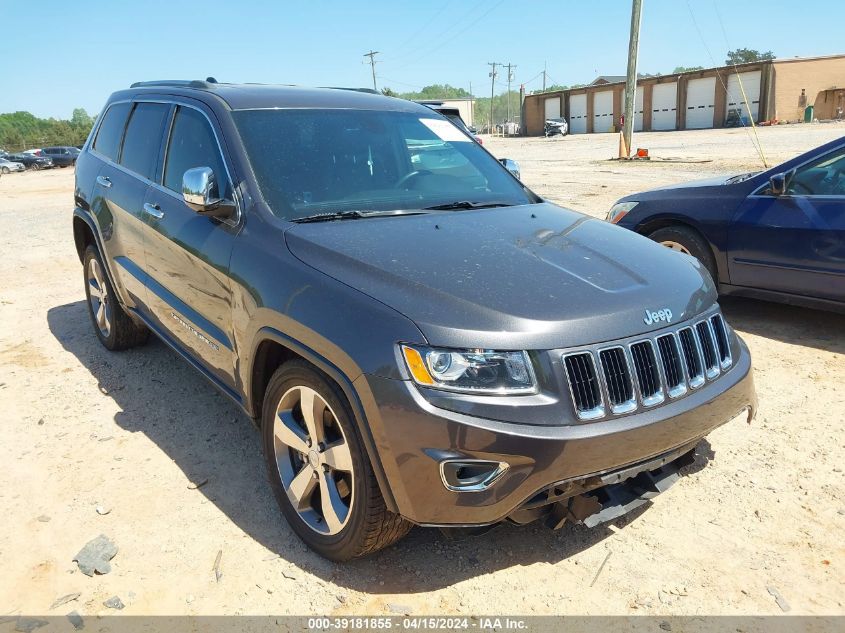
column 320, row 474
column 685, row 240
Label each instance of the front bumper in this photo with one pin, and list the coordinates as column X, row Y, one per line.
column 413, row 437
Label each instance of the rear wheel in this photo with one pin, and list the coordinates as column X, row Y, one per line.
column 4, row 170
column 319, row 472
column 115, row 329
column 685, row 240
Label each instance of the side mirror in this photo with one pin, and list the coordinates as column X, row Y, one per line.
column 200, row 193
column 780, row 182
column 511, row 165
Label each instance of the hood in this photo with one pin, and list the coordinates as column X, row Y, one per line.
column 702, row 182
column 528, row 277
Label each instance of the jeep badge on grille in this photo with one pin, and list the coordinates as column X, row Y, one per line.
column 664, row 315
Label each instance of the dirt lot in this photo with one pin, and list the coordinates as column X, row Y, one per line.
column 763, row 508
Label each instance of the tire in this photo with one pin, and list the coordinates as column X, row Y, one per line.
column 115, row 329
column 5, row 170
column 357, row 523
column 690, row 242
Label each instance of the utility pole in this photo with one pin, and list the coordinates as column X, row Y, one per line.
column 492, row 88
column 372, row 55
column 510, row 79
column 631, row 80
column 544, row 76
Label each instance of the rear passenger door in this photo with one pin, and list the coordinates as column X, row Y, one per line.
column 188, row 254
column 118, row 197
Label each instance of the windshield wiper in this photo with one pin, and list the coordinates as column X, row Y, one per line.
column 351, row 215
column 466, row 204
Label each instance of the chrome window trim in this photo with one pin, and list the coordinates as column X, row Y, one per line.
column 630, row 404
column 235, row 220
column 598, row 411
column 660, row 396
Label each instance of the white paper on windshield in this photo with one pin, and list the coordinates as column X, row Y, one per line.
column 445, row 131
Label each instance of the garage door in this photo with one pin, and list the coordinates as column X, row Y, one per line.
column 603, row 111
column 701, row 94
column 638, row 110
column 751, row 86
column 664, row 106
column 578, row 114
column 552, row 107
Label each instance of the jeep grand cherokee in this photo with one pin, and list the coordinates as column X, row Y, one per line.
column 419, row 337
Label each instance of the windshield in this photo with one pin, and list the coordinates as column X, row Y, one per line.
column 310, row 161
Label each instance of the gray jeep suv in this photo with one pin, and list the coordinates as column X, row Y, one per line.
column 419, row 337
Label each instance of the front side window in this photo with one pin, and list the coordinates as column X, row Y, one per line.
column 111, row 129
column 311, row 161
column 193, row 144
column 142, row 142
column 823, row 177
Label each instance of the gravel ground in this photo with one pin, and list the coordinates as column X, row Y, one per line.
column 762, row 511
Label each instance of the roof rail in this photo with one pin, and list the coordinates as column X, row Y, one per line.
column 184, row 83
column 367, row 90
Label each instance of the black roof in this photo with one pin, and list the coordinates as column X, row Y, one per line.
column 256, row 96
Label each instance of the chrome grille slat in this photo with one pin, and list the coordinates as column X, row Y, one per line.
column 723, row 346
column 647, row 372
column 692, row 357
column 584, row 385
column 707, row 343
column 619, row 379
column 673, row 370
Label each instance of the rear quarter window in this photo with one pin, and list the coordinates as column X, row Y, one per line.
column 111, row 129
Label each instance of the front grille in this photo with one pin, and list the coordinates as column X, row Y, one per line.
column 584, row 385
column 644, row 372
column 617, row 379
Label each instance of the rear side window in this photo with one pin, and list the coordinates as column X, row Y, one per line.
column 142, row 142
column 111, row 129
column 193, row 144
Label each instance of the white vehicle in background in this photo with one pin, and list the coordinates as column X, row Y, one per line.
column 7, row 166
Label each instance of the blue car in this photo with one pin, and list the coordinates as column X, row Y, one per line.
column 777, row 235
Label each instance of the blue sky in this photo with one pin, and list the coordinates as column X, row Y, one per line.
column 60, row 55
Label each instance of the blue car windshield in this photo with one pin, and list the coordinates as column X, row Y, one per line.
column 311, row 161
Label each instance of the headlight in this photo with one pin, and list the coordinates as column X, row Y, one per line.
column 471, row 371
column 619, row 211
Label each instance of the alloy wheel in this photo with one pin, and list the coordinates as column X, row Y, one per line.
column 98, row 297
column 313, row 460
column 676, row 246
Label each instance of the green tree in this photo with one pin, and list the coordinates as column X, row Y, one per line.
column 437, row 91
column 22, row 130
column 686, row 69
column 745, row 55
column 387, row 92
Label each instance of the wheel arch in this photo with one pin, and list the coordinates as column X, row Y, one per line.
column 273, row 348
column 651, row 225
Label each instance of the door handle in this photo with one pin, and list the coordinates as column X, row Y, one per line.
column 153, row 210
column 104, row 181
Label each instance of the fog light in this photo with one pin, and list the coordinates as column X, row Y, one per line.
column 471, row 475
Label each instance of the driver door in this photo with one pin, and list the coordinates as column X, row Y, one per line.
column 795, row 242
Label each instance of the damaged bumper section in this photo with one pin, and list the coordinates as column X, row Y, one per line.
column 601, row 498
